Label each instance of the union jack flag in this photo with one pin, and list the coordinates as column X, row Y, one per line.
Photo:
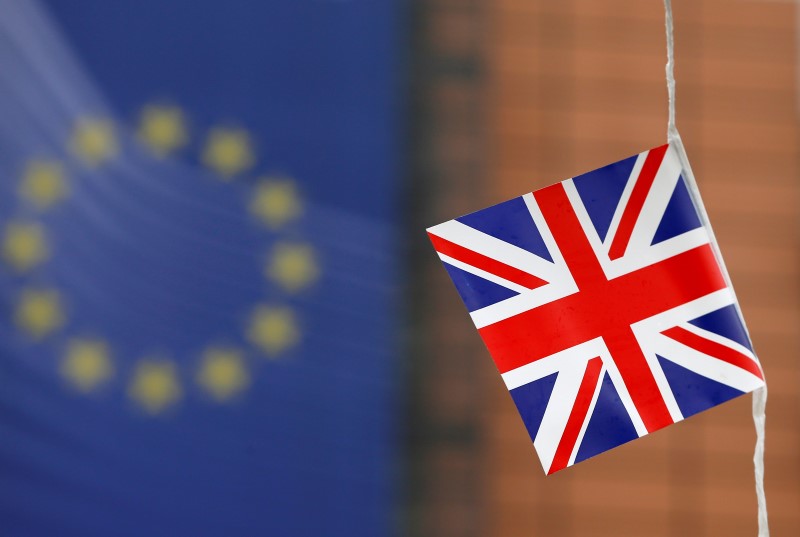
column 603, row 304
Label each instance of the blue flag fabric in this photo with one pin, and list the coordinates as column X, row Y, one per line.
column 197, row 265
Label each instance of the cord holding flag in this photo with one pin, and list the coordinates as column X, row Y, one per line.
column 603, row 304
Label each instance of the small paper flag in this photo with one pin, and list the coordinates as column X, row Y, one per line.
column 603, row 305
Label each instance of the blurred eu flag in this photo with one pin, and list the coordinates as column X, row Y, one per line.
column 197, row 267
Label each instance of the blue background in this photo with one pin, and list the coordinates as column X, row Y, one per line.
column 158, row 256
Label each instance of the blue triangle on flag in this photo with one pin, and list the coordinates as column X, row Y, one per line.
column 726, row 323
column 511, row 222
column 693, row 392
column 609, row 426
column 601, row 189
column 531, row 400
column 475, row 291
column 680, row 215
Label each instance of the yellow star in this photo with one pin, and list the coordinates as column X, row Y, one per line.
column 39, row 312
column 292, row 266
column 162, row 128
column 43, row 183
column 273, row 329
column 155, row 385
column 24, row 245
column 94, row 141
column 87, row 364
column 228, row 152
column 276, row 202
column 223, row 373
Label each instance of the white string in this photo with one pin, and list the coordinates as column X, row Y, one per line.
column 759, row 395
column 760, row 417
column 672, row 130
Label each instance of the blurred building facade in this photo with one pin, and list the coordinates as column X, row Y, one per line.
column 516, row 94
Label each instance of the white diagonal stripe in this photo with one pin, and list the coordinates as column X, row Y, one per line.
column 575, row 356
column 562, row 271
column 706, row 365
column 648, row 333
column 650, row 255
column 646, row 343
column 640, row 257
column 561, row 282
column 483, row 274
column 587, row 418
column 623, row 393
column 575, row 200
column 722, row 340
column 655, row 204
column 623, row 200
column 557, row 412
column 528, row 300
column 477, row 241
column 683, row 313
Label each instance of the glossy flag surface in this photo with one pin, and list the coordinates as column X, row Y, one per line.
column 603, row 304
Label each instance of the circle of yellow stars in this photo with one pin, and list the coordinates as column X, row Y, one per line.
column 156, row 384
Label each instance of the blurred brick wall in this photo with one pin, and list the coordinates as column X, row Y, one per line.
column 575, row 84
column 515, row 94
column 445, row 485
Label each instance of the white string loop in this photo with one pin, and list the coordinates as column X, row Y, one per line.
column 759, row 395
